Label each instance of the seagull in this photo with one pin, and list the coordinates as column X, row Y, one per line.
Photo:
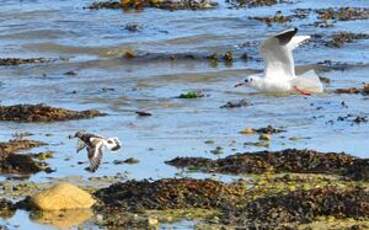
column 95, row 145
column 279, row 72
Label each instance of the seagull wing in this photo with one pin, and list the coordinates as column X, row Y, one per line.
column 277, row 55
column 95, row 153
column 296, row 41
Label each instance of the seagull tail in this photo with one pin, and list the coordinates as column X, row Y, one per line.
column 309, row 81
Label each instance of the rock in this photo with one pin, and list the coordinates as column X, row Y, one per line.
column 143, row 113
column 62, row 196
column 151, row 221
column 235, row 104
column 71, row 73
column 265, row 137
column 247, row 131
column 269, row 130
column 7, row 208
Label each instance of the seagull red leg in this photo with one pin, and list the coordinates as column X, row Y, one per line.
column 302, row 92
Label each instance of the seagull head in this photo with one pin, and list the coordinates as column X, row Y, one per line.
column 113, row 143
column 249, row 81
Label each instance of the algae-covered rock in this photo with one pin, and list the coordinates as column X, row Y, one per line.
column 43, row 155
column 343, row 13
column 191, row 95
column 277, row 18
column 7, row 208
column 43, row 113
column 62, row 196
column 22, row 164
column 169, row 194
column 19, row 144
column 12, row 162
column 161, row 4
column 353, row 90
column 20, row 61
column 339, row 39
column 254, row 3
column 301, row 207
column 288, row 160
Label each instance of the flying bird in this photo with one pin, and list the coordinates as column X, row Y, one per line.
column 95, row 145
column 279, row 71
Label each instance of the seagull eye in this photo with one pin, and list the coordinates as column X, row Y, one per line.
column 246, row 80
column 110, row 142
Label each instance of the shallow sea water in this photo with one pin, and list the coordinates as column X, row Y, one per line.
column 91, row 43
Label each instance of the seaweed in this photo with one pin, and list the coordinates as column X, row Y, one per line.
column 254, row 3
column 12, row 162
column 299, row 207
column 288, row 160
column 43, row 113
column 339, row 39
column 161, row 4
column 168, row 194
column 20, row 61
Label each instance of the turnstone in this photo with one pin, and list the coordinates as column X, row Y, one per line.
column 95, row 145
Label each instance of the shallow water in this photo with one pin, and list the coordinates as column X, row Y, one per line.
column 92, row 43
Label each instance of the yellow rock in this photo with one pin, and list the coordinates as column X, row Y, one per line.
column 152, row 221
column 247, row 131
column 63, row 196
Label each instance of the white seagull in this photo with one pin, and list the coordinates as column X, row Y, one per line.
column 95, row 145
column 279, row 72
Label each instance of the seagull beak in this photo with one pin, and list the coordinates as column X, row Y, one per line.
column 239, row 84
